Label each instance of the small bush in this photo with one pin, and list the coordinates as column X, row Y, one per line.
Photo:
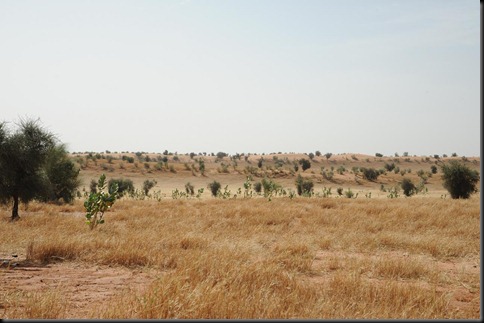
column 408, row 187
column 305, row 164
column 258, row 187
column 378, row 155
column 433, row 168
column 370, row 174
column 304, row 186
column 189, row 188
column 124, row 186
column 214, row 188
column 148, row 185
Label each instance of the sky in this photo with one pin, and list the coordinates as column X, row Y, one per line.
column 246, row 76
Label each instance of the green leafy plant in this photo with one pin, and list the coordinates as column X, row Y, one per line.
column 459, row 180
column 99, row 202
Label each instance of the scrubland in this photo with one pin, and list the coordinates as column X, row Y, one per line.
column 304, row 258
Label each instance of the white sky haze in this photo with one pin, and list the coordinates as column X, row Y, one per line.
column 246, row 75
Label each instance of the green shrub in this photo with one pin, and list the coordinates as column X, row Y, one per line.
column 304, row 186
column 305, row 164
column 214, row 188
column 370, row 174
column 339, row 190
column 459, row 180
column 258, row 187
column 408, row 187
column 148, row 185
column 189, row 188
column 433, row 168
column 124, row 186
column 378, row 155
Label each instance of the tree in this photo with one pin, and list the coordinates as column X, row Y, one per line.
column 328, row 155
column 459, row 179
column 311, row 156
column 23, row 155
column 62, row 175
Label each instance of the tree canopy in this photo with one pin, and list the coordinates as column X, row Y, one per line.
column 33, row 166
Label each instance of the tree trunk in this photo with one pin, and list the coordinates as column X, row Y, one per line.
column 15, row 215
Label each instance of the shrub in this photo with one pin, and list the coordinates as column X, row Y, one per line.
column 408, row 187
column 124, row 186
column 305, row 164
column 221, row 155
column 459, row 179
column 433, row 168
column 269, row 186
column 148, row 185
column 328, row 155
column 214, row 188
column 339, row 190
column 318, row 153
column 349, row 193
column 311, row 156
column 258, row 187
column 99, row 202
column 189, row 188
column 378, row 155
column 304, row 186
column 389, row 167
column 370, row 174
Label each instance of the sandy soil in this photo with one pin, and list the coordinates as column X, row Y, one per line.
column 82, row 285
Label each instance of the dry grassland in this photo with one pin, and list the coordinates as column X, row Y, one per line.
column 304, row 258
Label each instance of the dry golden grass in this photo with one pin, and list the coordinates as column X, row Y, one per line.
column 304, row 258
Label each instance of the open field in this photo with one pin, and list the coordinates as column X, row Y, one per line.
column 306, row 258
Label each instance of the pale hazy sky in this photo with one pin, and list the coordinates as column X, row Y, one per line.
column 360, row 76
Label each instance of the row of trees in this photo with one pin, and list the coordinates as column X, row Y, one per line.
column 35, row 165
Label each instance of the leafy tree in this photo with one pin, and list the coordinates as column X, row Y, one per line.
column 23, row 155
column 305, row 164
column 311, row 156
column 459, row 179
column 62, row 175
column 328, row 155
column 318, row 153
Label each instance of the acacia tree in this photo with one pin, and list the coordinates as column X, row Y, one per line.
column 24, row 165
